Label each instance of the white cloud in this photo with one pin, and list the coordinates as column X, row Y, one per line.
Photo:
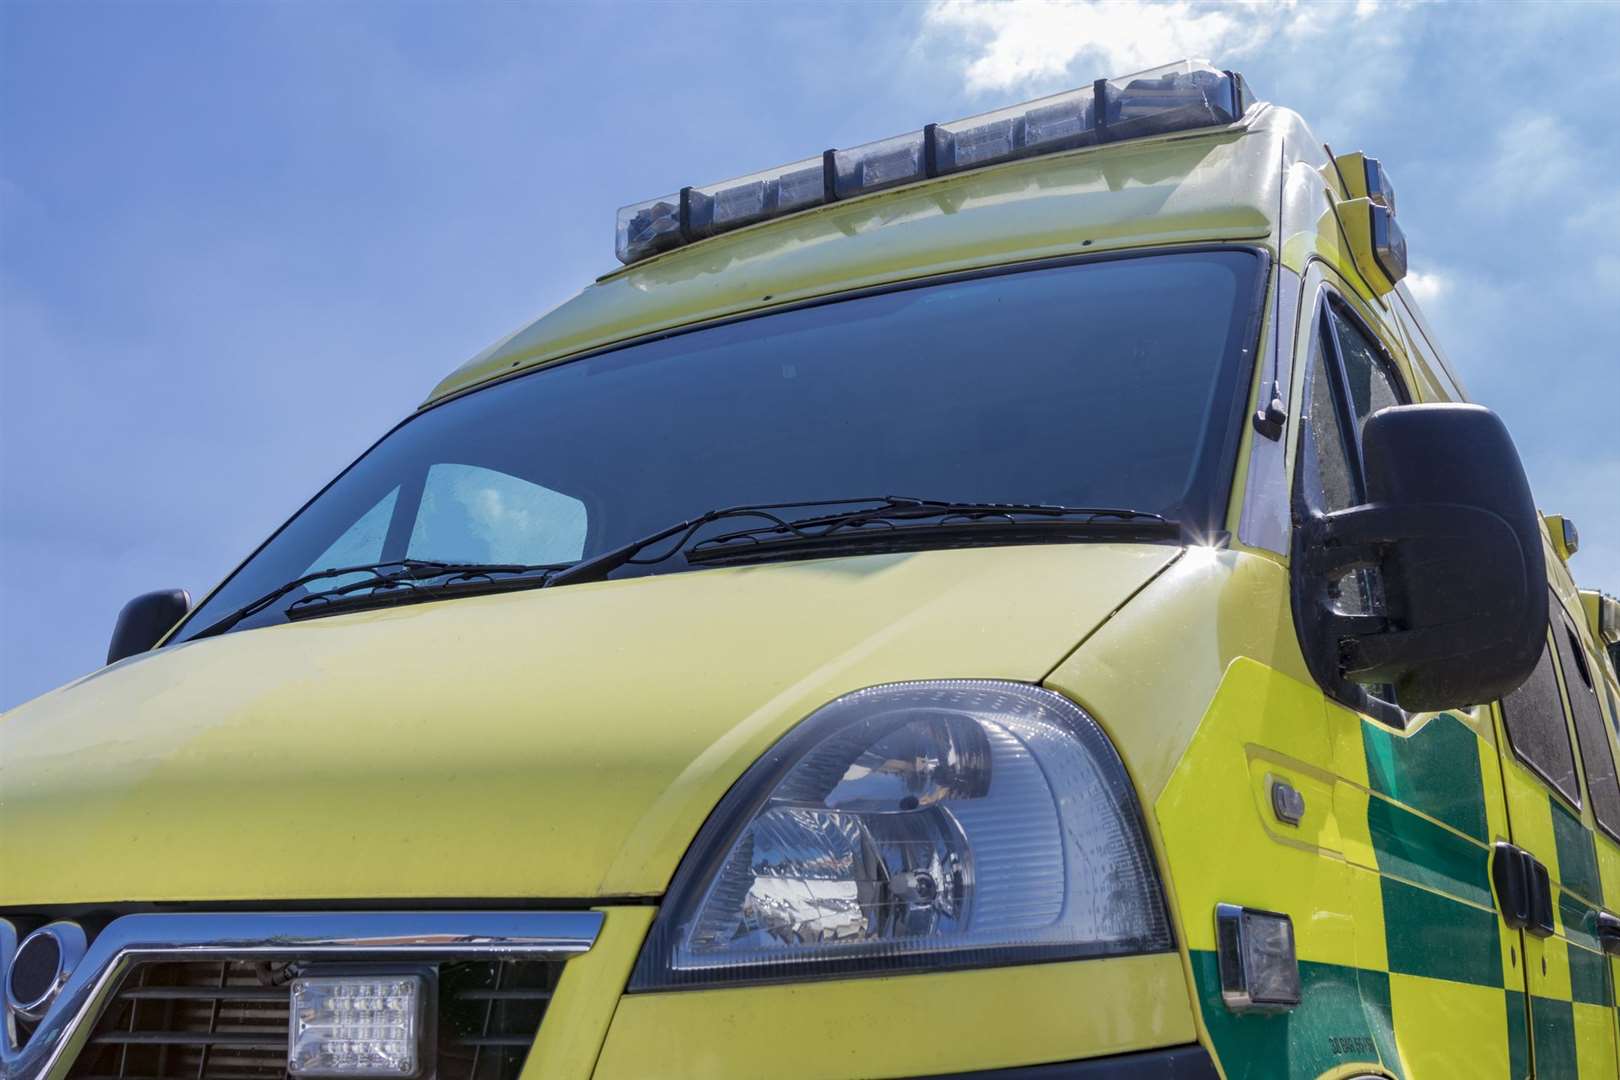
column 1428, row 287
column 1536, row 154
column 1594, row 220
column 1020, row 44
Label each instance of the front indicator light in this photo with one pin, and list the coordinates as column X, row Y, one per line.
column 911, row 827
column 359, row 1025
column 1255, row 950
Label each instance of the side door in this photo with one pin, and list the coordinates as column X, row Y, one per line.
column 1593, row 994
column 1553, row 815
column 1418, row 796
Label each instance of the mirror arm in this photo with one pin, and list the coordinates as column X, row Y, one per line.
column 1372, row 647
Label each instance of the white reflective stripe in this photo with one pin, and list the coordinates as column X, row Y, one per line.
column 1264, row 522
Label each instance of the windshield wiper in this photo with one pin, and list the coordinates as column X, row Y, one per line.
column 409, row 573
column 600, row 566
column 895, row 518
column 934, row 523
column 449, row 579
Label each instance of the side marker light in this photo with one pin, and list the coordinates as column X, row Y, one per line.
column 1255, row 950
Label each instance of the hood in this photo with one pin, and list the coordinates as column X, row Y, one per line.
column 562, row 744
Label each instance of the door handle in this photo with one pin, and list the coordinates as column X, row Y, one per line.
column 1608, row 927
column 1524, row 890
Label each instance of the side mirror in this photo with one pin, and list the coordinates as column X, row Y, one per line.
column 145, row 620
column 1453, row 536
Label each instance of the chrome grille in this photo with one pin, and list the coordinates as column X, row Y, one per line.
column 227, row 1020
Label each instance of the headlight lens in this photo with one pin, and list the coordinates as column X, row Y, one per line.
column 914, row 826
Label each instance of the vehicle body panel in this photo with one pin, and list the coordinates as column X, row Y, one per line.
column 517, row 745
column 956, row 1022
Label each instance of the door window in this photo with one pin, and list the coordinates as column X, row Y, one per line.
column 1329, row 482
column 1371, row 383
column 1350, row 380
column 1534, row 717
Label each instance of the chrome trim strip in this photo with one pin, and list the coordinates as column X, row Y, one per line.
column 428, row 935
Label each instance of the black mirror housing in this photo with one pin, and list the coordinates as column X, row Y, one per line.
column 1452, row 530
column 145, row 620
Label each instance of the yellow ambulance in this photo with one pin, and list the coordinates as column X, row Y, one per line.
column 1027, row 598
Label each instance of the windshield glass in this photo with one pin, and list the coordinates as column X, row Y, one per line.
column 1115, row 382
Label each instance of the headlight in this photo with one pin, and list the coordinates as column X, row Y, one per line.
column 910, row 827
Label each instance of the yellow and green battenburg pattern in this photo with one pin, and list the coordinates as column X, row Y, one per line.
column 1405, row 964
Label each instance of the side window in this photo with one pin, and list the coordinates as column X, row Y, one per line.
column 1327, row 479
column 1534, row 717
column 1371, row 383
column 473, row 514
column 1597, row 758
column 1350, row 380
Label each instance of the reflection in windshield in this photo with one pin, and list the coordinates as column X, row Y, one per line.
column 1113, row 382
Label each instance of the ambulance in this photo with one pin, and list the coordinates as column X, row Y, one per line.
column 1027, row 598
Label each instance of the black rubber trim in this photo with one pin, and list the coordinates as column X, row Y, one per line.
column 1179, row 1063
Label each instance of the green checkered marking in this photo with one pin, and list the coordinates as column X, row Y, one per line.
column 1552, row 1024
column 1437, row 937
column 1343, row 1017
column 1588, row 966
column 1425, row 771
column 1417, row 849
column 1589, row 977
column 1518, row 1036
column 1577, row 853
column 1580, row 921
column 1375, row 1005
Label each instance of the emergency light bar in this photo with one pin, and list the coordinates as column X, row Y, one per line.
column 1177, row 97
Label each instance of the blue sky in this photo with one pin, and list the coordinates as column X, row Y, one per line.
column 239, row 241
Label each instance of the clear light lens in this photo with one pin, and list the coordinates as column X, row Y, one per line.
column 1186, row 94
column 355, row 1026
column 1273, row 970
column 1175, row 97
column 1388, row 243
column 1052, row 123
column 878, row 165
column 1609, row 620
column 1379, row 187
column 646, row 228
column 916, row 825
column 1258, row 967
column 731, row 204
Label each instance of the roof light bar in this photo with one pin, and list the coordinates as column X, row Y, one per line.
column 1177, row 97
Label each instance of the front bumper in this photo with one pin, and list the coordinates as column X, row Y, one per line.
column 1106, row 1017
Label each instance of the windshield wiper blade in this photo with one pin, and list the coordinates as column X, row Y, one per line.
column 600, row 566
column 407, row 567
column 936, row 523
column 890, row 512
column 450, row 579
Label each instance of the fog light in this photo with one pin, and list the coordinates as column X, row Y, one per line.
column 1259, row 972
column 356, row 1025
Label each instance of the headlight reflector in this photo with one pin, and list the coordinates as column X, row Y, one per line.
column 913, row 826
